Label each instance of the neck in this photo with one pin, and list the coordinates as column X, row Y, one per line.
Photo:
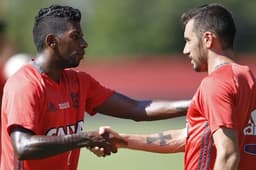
column 49, row 67
column 217, row 60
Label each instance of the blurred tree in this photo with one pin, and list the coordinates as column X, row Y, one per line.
column 132, row 27
column 20, row 17
column 245, row 16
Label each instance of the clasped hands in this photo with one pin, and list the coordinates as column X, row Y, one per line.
column 113, row 141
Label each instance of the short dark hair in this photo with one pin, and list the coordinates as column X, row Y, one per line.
column 53, row 20
column 215, row 18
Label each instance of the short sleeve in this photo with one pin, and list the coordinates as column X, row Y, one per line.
column 96, row 93
column 20, row 103
column 217, row 97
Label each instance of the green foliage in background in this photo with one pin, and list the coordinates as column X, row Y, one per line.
column 124, row 28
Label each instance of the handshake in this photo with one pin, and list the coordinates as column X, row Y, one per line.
column 105, row 141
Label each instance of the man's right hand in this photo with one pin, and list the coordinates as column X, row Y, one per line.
column 99, row 142
column 113, row 137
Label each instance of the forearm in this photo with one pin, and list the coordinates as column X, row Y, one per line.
column 122, row 106
column 155, row 110
column 165, row 142
column 228, row 153
column 167, row 109
column 36, row 147
column 228, row 162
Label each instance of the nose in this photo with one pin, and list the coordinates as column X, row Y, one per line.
column 83, row 43
column 185, row 50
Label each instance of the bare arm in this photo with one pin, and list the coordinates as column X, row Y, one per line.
column 122, row 106
column 226, row 142
column 27, row 145
column 170, row 141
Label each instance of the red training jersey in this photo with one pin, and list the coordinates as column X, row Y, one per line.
column 34, row 101
column 225, row 98
column 2, row 82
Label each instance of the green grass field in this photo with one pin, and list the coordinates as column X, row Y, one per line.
column 130, row 159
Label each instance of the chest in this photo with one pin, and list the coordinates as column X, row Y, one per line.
column 58, row 99
column 195, row 114
column 62, row 108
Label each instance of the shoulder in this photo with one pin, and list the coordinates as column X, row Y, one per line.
column 221, row 76
column 26, row 77
column 231, row 75
column 81, row 75
column 221, row 81
column 242, row 72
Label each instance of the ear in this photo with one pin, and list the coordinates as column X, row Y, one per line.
column 209, row 39
column 51, row 41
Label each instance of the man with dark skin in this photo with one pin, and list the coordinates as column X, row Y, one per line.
column 45, row 101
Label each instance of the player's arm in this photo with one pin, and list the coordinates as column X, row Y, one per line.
column 122, row 106
column 27, row 145
column 226, row 142
column 170, row 141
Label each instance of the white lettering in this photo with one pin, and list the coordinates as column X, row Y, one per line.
column 51, row 132
column 250, row 129
column 61, row 132
column 65, row 105
column 71, row 129
column 80, row 127
column 68, row 130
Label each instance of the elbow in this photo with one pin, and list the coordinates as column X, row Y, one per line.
column 232, row 160
column 22, row 144
column 20, row 152
column 20, row 156
column 138, row 119
column 137, row 115
column 236, row 158
column 141, row 118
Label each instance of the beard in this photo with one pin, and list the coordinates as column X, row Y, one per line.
column 200, row 65
column 73, row 61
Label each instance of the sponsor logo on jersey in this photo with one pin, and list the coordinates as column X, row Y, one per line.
column 250, row 149
column 64, row 105
column 51, row 107
column 75, row 99
column 250, row 129
column 66, row 130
